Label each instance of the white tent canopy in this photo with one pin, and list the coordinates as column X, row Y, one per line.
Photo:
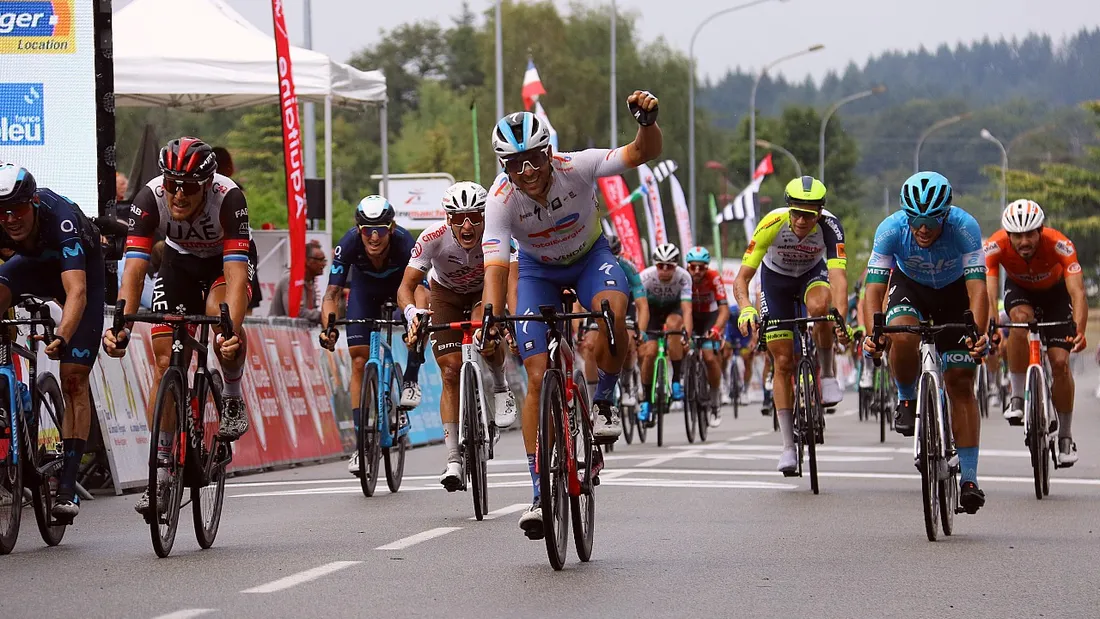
column 203, row 55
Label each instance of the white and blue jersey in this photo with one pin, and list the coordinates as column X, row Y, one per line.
column 957, row 253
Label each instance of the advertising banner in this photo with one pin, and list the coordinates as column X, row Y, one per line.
column 658, row 233
column 683, row 216
column 418, row 201
column 621, row 214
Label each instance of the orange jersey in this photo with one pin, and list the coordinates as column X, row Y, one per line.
column 1054, row 258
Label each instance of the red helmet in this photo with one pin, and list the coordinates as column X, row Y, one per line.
column 189, row 159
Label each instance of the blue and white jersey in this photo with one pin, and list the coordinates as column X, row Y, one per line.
column 956, row 253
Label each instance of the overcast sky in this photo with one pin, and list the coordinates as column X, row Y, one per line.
column 851, row 30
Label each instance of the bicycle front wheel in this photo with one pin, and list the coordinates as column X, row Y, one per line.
column 691, row 397
column 475, row 451
column 395, row 454
column 660, row 401
column 51, row 405
column 982, row 392
column 1037, row 444
column 170, row 412
column 207, row 500
column 582, row 507
column 12, row 454
column 370, row 453
column 702, row 407
column 551, row 463
column 809, row 417
column 928, row 418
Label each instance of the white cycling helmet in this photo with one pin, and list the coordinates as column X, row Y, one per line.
column 666, row 252
column 1022, row 216
column 519, row 132
column 464, row 197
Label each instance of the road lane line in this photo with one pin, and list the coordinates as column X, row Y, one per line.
column 749, row 436
column 301, row 577
column 690, row 453
column 187, row 613
column 413, row 540
column 346, row 480
column 503, row 511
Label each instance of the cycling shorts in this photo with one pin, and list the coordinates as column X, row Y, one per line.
column 450, row 306
column 734, row 337
column 541, row 284
column 42, row 279
column 183, row 283
column 658, row 315
column 783, row 297
column 940, row 305
column 703, row 322
column 1053, row 303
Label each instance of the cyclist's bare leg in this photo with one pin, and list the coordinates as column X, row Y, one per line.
column 1063, row 387
column 903, row 350
column 817, row 304
column 782, row 351
column 76, row 424
column 647, row 356
column 714, row 369
column 675, row 322
column 1017, row 349
column 588, row 353
column 231, row 370
column 611, row 364
column 535, row 365
column 450, row 366
column 965, row 422
column 359, row 356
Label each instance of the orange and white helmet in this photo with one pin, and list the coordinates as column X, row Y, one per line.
column 1022, row 216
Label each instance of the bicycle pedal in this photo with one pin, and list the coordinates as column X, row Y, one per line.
column 790, row 473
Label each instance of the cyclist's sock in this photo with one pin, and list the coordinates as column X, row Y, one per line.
column 500, row 381
column 1063, row 424
column 1019, row 383
column 412, row 371
column 355, row 415
column 968, row 464
column 605, row 386
column 232, row 380
column 786, row 426
column 593, row 389
column 534, row 475
column 825, row 361
column 74, row 450
column 647, row 388
column 906, row 391
column 677, row 368
column 450, row 439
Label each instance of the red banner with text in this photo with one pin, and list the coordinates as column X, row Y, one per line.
column 292, row 158
column 621, row 212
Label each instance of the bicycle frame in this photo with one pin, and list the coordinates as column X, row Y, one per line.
column 661, row 358
column 470, row 359
column 17, row 416
column 930, row 364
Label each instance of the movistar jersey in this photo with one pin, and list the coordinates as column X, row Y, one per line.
column 956, row 253
column 780, row 249
column 65, row 234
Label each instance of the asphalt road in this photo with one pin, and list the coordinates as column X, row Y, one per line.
column 682, row 531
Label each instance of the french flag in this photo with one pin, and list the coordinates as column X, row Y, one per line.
column 532, row 85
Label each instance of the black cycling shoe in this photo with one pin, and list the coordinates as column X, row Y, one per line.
column 905, row 417
column 971, row 497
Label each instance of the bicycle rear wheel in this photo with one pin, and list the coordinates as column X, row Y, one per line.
column 583, row 508
column 52, row 406
column 983, row 392
column 170, row 412
column 809, row 417
column 949, row 485
column 551, row 462
column 476, row 466
column 207, row 501
column 735, row 387
column 702, row 407
column 12, row 456
column 883, row 402
column 370, row 453
column 660, row 404
column 928, row 417
column 1034, row 403
column 691, row 397
column 395, row 454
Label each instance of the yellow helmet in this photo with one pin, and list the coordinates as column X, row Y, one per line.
column 806, row 190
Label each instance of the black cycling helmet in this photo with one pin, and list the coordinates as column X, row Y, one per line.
column 188, row 159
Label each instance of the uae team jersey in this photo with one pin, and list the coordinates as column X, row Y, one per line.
column 562, row 230
column 666, row 294
column 220, row 228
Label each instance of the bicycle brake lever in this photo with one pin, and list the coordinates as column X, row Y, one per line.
column 224, row 322
column 119, row 324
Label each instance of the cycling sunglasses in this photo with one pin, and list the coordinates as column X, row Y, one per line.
column 476, row 218
column 15, row 211
column 516, row 164
column 933, row 223
column 665, row 266
column 189, row 188
column 798, row 213
column 697, row 266
column 381, row 231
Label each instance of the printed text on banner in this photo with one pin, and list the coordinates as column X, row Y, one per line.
column 292, row 157
column 621, row 212
column 658, row 234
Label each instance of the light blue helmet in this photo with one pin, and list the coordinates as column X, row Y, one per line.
column 926, row 194
column 519, row 132
column 698, row 254
column 374, row 211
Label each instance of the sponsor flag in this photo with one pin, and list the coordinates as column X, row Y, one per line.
column 715, row 229
column 292, row 159
column 532, row 85
column 655, row 216
column 621, row 213
column 683, row 216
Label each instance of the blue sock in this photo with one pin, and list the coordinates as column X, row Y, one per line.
column 412, row 371
column 968, row 464
column 355, row 415
column 906, row 391
column 534, row 475
column 605, row 387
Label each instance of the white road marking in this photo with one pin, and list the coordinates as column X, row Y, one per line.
column 345, row 480
column 698, row 483
column 413, row 540
column 669, row 457
column 747, row 436
column 302, row 577
column 503, row 511
column 186, row 613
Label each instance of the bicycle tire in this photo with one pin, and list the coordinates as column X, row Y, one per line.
column 370, row 453
column 162, row 527
column 702, row 410
column 628, row 416
column 551, row 459
column 394, row 455
column 735, row 387
column 11, row 473
column 49, row 391
column 643, row 431
column 982, row 393
column 810, row 417
column 691, row 398
column 928, row 419
column 582, row 508
column 1036, row 431
column 476, row 467
column 883, row 401
column 213, row 453
column 949, row 488
column 660, row 404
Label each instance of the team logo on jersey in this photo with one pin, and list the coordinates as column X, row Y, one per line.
column 840, row 251
column 561, row 226
column 992, row 248
column 1074, row 268
column 1064, row 247
column 417, row 250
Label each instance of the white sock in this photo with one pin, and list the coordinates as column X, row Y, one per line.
column 1019, row 383
column 786, row 427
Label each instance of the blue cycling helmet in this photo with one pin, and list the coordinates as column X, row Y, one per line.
column 698, row 254
column 926, row 194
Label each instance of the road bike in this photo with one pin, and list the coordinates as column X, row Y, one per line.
column 809, row 413
column 697, row 389
column 29, row 461
column 879, row 399
column 383, row 432
column 568, row 461
column 197, row 458
column 476, row 427
column 660, row 396
column 1040, row 419
column 630, row 383
column 933, row 440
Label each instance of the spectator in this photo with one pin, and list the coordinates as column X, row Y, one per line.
column 226, row 168
column 122, row 184
column 309, row 309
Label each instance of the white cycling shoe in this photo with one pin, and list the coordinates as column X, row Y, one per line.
column 504, row 414
column 788, row 462
column 353, row 464
column 451, row 479
column 410, row 395
column 1067, row 451
column 831, row 393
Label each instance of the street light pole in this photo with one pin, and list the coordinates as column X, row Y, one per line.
column 752, row 101
column 614, row 95
column 936, row 126
column 771, row 146
column 691, row 97
column 825, row 121
column 986, row 135
column 500, row 63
